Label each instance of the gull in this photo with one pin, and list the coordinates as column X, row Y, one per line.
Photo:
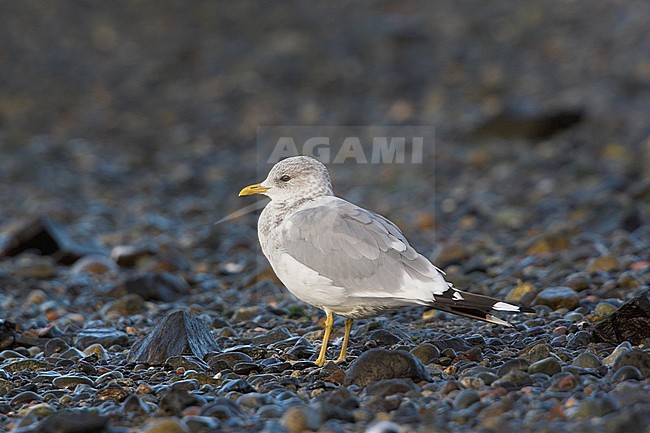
column 347, row 260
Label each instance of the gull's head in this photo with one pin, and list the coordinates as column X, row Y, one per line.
column 294, row 178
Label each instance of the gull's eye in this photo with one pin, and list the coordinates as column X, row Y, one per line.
column 285, row 178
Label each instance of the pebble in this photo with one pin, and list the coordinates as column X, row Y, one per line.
column 548, row 366
column 426, row 352
column 626, row 372
column 466, row 398
column 69, row 381
column 637, row 358
column 299, row 419
column 377, row 364
column 586, row 360
column 557, row 297
column 620, row 350
column 107, row 337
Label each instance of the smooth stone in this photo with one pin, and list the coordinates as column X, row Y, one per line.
column 197, row 424
column 68, row 382
column 230, row 358
column 73, row 421
column 238, row 385
column 127, row 305
column 299, row 419
column 273, row 336
column 384, row 338
column 594, row 407
column 72, row 353
column 426, row 352
column 107, row 337
column 620, row 350
column 97, row 350
column 377, row 364
column 24, row 397
column 627, row 372
column 458, row 344
column 557, row 297
column 166, row 425
column 466, row 398
column 174, row 401
column 513, row 364
column 383, row 388
column 586, row 360
column 55, row 345
column 548, row 366
column 637, row 358
column 514, row 379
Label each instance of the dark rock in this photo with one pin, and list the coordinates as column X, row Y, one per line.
column 230, row 358
column 246, row 368
column 456, row 343
column 533, row 127
column 629, row 323
column 55, row 345
column 175, row 400
column 48, row 238
column 187, row 362
column 223, row 409
column 627, row 372
column 158, row 286
column 177, row 334
column 386, row 387
column 273, row 336
column 579, row 340
column 133, row 404
column 24, row 397
column 73, row 421
column 377, row 364
column 7, row 334
column 238, row 385
column 112, row 392
column 107, row 337
column 383, row 337
column 637, row 358
column 513, row 364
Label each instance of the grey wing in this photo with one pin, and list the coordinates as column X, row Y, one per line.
column 360, row 251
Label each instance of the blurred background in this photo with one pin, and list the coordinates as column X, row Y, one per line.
column 127, row 120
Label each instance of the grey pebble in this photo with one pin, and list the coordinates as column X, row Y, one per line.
column 466, row 398
column 586, row 360
column 71, row 381
column 627, row 372
column 548, row 366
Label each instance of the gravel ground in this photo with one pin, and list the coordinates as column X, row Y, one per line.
column 127, row 129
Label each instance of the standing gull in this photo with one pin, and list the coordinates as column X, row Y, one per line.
column 347, row 260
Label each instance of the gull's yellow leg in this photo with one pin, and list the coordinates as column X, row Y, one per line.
column 346, row 339
column 329, row 321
